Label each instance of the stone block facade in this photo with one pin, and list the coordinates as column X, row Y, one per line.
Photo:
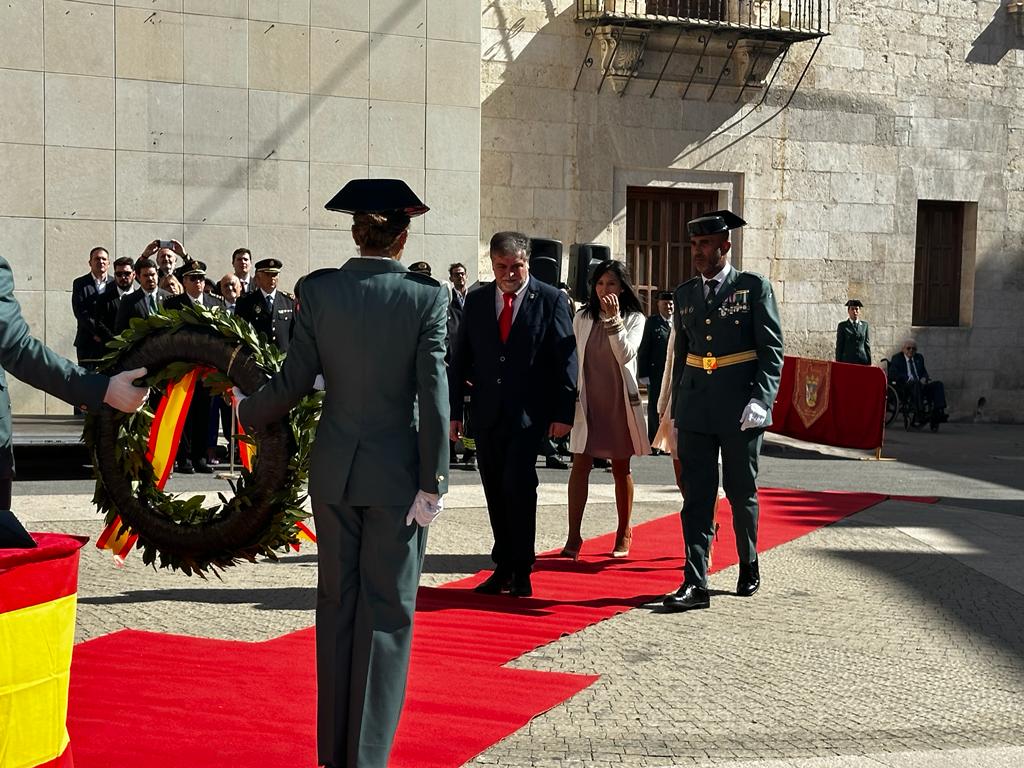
column 904, row 101
column 225, row 123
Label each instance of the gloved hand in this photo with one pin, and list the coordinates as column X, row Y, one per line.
column 754, row 415
column 239, row 397
column 318, row 383
column 425, row 507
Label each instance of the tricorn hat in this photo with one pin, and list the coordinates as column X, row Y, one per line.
column 273, row 266
column 854, row 303
column 714, row 222
column 191, row 267
column 377, row 196
column 665, row 296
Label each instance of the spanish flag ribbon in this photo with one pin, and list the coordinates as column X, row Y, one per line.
column 165, row 433
column 118, row 538
column 246, row 450
column 304, row 533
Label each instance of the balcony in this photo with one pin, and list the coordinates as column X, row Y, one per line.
column 708, row 47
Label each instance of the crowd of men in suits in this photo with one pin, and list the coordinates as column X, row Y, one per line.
column 104, row 305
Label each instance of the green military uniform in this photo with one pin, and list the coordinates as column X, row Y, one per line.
column 728, row 351
column 377, row 334
column 853, row 342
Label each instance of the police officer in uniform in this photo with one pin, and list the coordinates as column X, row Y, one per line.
column 853, row 342
column 650, row 358
column 728, row 364
column 269, row 311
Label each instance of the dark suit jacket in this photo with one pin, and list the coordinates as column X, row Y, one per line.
column 133, row 305
column 743, row 317
column 106, row 313
column 83, row 304
column 530, row 379
column 853, row 343
column 650, row 358
column 376, row 332
column 37, row 365
column 276, row 326
column 898, row 372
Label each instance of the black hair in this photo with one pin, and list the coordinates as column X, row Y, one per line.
column 629, row 302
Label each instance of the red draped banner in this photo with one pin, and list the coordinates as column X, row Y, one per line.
column 832, row 403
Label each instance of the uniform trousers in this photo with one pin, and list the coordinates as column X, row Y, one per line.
column 698, row 456
column 506, row 456
column 369, row 571
column 653, row 418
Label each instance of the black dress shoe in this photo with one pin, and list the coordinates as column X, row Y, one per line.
column 688, row 597
column 553, row 462
column 749, row 580
column 203, row 468
column 186, row 468
column 521, row 586
column 498, row 582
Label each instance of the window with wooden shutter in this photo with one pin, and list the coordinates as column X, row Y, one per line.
column 937, row 263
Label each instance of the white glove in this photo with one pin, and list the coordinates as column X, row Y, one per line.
column 754, row 415
column 239, row 397
column 318, row 383
column 425, row 507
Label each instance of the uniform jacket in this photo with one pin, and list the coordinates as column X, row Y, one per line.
column 624, row 346
column 898, row 372
column 134, row 305
column 83, row 304
column 853, row 343
column 531, row 378
column 653, row 349
column 743, row 317
column 276, row 325
column 376, row 332
column 181, row 300
column 37, row 365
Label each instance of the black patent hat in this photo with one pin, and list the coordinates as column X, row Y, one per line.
column 854, row 303
column 713, row 223
column 665, row 296
column 377, row 196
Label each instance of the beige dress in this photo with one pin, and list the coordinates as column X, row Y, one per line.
column 607, row 429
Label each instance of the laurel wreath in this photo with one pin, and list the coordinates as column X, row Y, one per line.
column 183, row 533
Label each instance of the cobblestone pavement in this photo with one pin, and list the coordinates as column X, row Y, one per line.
column 893, row 638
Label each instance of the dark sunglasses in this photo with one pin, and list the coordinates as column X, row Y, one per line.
column 129, row 273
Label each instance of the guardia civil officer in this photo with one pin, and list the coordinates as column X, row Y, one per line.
column 853, row 340
column 728, row 363
column 376, row 331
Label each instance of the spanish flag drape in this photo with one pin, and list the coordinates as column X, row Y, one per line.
column 37, row 631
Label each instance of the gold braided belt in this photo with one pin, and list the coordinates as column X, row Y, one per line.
column 710, row 363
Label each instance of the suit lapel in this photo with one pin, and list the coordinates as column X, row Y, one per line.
column 525, row 309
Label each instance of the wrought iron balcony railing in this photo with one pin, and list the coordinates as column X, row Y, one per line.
column 778, row 19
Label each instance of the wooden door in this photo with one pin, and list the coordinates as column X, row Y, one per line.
column 937, row 260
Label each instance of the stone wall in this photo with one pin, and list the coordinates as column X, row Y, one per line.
column 906, row 100
column 225, row 123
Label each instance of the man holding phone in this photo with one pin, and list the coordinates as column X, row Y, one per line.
column 165, row 253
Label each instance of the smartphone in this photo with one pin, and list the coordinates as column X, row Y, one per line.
column 166, row 244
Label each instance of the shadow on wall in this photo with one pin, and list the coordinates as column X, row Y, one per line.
column 291, row 124
column 549, row 153
column 998, row 38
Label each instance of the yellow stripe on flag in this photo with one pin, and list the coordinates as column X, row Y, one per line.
column 35, row 669
column 165, row 432
column 118, row 538
column 304, row 533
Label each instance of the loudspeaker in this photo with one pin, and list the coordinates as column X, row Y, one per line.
column 546, row 260
column 583, row 257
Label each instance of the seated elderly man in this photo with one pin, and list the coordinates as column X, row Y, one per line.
column 910, row 376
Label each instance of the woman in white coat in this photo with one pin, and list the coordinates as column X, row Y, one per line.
column 610, row 421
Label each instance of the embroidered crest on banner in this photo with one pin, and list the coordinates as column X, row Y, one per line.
column 811, row 388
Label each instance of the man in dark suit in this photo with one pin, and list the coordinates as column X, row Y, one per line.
column 269, row 311
column 516, row 348
column 727, row 369
column 193, row 446
column 110, row 300
column 146, row 300
column 85, row 291
column 853, row 341
column 650, row 358
column 375, row 331
column 37, row 365
column 910, row 376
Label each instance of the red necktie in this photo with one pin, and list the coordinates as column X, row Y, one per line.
column 505, row 320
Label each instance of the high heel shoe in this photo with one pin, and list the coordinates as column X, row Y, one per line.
column 622, row 544
column 573, row 553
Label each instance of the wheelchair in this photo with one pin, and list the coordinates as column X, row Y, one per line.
column 915, row 411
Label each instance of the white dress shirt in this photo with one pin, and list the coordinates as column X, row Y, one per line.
column 499, row 299
column 720, row 277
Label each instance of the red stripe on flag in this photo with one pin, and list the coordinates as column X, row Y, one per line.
column 66, row 760
column 44, row 580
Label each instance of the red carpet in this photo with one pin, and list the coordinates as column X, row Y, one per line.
column 169, row 701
